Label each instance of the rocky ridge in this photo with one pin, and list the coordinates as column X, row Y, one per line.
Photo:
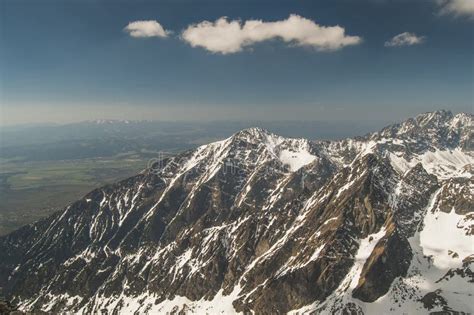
column 257, row 222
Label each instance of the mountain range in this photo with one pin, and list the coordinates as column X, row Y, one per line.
column 259, row 223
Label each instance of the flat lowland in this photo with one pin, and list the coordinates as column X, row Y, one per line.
column 32, row 190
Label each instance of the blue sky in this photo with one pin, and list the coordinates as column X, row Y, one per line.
column 72, row 60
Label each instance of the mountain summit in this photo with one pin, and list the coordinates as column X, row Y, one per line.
column 380, row 224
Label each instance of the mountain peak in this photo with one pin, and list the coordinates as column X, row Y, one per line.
column 438, row 124
column 252, row 131
column 256, row 135
column 437, row 117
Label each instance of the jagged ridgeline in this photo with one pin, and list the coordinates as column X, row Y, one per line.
column 377, row 224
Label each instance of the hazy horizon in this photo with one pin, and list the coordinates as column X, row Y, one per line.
column 60, row 118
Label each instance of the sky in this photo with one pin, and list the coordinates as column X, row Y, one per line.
column 352, row 60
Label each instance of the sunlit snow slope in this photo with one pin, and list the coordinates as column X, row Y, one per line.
column 380, row 224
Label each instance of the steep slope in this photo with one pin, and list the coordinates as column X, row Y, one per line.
column 262, row 223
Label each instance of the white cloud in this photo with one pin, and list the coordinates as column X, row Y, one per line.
column 457, row 7
column 146, row 29
column 228, row 37
column 405, row 39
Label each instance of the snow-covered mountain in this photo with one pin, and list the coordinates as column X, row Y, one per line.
column 259, row 223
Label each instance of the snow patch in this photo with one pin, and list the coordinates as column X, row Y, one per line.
column 444, row 232
column 444, row 164
column 296, row 159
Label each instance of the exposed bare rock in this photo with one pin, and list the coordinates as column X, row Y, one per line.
column 265, row 224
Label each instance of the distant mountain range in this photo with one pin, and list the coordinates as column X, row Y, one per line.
column 379, row 224
column 106, row 138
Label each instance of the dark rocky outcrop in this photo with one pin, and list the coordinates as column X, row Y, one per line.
column 390, row 259
column 276, row 223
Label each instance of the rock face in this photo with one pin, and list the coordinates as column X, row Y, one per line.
column 372, row 225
